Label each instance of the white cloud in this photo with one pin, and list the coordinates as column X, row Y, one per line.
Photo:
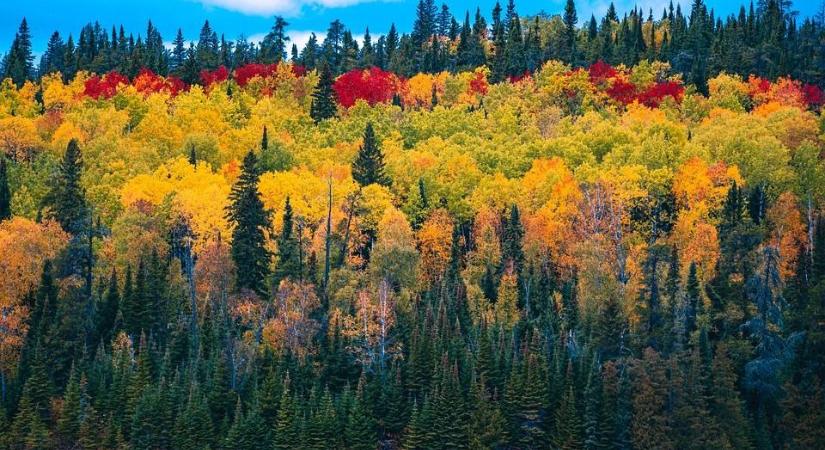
column 272, row 7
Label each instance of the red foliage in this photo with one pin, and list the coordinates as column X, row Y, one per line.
column 813, row 95
column 298, row 70
column 600, row 72
column 148, row 82
column 218, row 75
column 654, row 95
column 104, row 87
column 479, row 85
column 373, row 86
column 175, row 85
column 249, row 71
column 520, row 77
column 622, row 91
column 759, row 88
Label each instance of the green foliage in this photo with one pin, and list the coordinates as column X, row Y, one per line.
column 368, row 167
column 251, row 221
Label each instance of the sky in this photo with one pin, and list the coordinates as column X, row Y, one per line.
column 253, row 18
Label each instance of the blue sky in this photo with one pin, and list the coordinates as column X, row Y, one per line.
column 253, row 18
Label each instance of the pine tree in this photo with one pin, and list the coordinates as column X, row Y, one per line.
column 512, row 237
column 286, row 426
column 593, row 407
column 568, row 426
column 252, row 223
column 18, row 63
column 368, row 167
column 414, row 433
column 67, row 197
column 178, row 54
column 273, row 46
column 107, row 311
column 53, row 60
column 360, row 429
column 5, row 192
column 323, row 98
column 193, row 156
column 289, row 264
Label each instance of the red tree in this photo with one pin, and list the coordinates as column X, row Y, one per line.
column 104, row 87
column 373, row 86
column 654, row 95
column 218, row 75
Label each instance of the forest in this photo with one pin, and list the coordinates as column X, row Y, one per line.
column 537, row 232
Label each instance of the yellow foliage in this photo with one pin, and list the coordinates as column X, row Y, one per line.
column 18, row 137
column 197, row 194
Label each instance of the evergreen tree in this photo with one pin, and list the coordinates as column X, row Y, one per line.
column 286, row 426
column 67, row 197
column 570, row 19
column 178, row 54
column 18, row 63
column 273, row 46
column 289, row 263
column 5, row 192
column 323, row 104
column 53, row 60
column 368, row 167
column 252, row 223
column 360, row 429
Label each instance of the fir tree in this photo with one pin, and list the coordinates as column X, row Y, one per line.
column 18, row 63
column 5, row 192
column 67, row 197
column 323, row 99
column 368, row 167
column 289, row 264
column 252, row 223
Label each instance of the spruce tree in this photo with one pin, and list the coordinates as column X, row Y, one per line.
column 360, row 429
column 286, row 434
column 251, row 225
column 570, row 19
column 512, row 252
column 18, row 63
column 5, row 192
column 368, row 167
column 67, row 197
column 289, row 264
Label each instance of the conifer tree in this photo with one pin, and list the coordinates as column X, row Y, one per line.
column 5, row 193
column 512, row 252
column 414, row 433
column 368, row 167
column 568, row 426
column 286, row 434
column 593, row 407
column 323, row 104
column 289, row 265
column 360, row 430
column 251, row 225
column 67, row 197
column 18, row 63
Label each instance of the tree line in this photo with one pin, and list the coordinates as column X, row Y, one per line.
column 767, row 39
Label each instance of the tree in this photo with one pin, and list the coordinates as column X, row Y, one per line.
column 323, row 99
column 273, row 46
column 252, row 225
column 570, row 19
column 53, row 60
column 289, row 251
column 18, row 63
column 67, row 197
column 368, row 167
column 5, row 193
